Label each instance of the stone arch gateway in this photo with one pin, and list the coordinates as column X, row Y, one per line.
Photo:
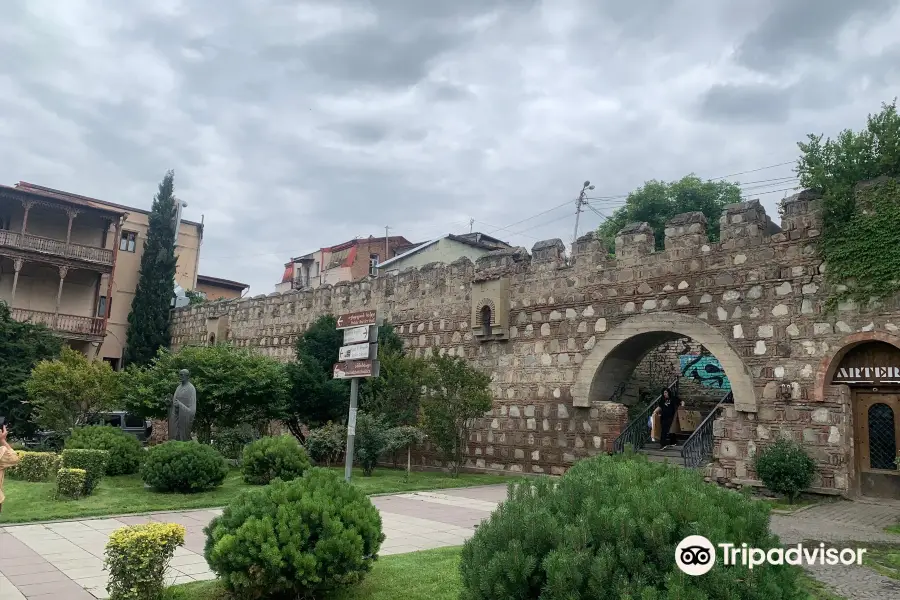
column 615, row 355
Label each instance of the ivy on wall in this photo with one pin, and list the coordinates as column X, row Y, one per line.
column 861, row 204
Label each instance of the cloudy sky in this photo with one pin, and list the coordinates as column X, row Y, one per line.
column 293, row 124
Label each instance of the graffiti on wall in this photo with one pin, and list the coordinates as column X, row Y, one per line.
column 705, row 369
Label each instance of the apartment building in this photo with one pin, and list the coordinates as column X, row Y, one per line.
column 445, row 249
column 350, row 261
column 216, row 288
column 73, row 262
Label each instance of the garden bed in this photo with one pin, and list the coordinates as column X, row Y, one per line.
column 29, row 502
column 426, row 575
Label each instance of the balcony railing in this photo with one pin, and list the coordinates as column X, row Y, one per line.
column 62, row 323
column 43, row 245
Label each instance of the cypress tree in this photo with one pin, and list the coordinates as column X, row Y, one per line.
column 148, row 321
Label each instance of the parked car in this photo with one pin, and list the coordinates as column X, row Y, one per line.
column 131, row 424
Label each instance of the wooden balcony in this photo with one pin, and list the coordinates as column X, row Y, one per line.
column 68, row 326
column 56, row 248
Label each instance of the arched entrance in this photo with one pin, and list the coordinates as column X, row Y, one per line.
column 615, row 356
column 870, row 368
column 607, row 370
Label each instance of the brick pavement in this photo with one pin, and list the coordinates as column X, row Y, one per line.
column 846, row 525
column 64, row 560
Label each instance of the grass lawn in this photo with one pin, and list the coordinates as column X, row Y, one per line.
column 784, row 505
column 895, row 529
column 884, row 559
column 427, row 575
column 27, row 502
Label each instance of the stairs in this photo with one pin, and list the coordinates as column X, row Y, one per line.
column 671, row 455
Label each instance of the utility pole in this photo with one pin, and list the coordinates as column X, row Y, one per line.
column 580, row 202
column 386, row 246
column 471, row 224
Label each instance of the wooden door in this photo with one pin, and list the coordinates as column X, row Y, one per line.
column 877, row 426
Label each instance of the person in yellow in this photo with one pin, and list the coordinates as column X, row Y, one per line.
column 8, row 458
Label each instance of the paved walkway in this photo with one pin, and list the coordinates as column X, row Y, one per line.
column 846, row 525
column 64, row 560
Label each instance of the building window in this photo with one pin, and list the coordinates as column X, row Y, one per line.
column 316, row 269
column 101, row 306
column 128, row 241
column 373, row 264
column 486, row 320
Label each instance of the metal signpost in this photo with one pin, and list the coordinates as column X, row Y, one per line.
column 357, row 358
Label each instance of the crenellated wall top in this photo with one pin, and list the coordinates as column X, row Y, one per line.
column 742, row 225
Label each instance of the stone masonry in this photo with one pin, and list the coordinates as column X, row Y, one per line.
column 578, row 326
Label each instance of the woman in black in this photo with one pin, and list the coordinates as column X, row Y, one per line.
column 668, row 408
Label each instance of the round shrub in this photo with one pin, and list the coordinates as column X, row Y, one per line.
column 300, row 538
column 185, row 467
column 785, row 468
column 326, row 444
column 609, row 529
column 125, row 451
column 230, row 441
column 271, row 458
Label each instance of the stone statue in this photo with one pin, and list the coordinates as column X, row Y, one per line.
column 182, row 409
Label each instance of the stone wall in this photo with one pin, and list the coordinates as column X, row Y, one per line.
column 578, row 326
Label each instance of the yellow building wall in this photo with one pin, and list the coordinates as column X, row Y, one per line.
column 128, row 265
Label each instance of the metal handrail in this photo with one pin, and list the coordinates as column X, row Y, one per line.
column 636, row 433
column 699, row 446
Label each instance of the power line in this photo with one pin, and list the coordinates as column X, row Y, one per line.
column 789, row 162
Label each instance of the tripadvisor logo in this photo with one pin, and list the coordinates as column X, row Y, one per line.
column 695, row 555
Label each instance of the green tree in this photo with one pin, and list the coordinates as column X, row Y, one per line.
column 457, row 394
column 861, row 247
column 396, row 393
column 148, row 322
column 71, row 390
column 316, row 397
column 656, row 202
column 22, row 346
column 234, row 386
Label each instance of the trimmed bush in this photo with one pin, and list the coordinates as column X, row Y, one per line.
column 125, row 451
column 185, row 467
column 70, row 484
column 609, row 529
column 299, row 538
column 230, row 441
column 137, row 557
column 785, row 468
column 92, row 461
column 270, row 458
column 372, row 440
column 326, row 444
column 35, row 466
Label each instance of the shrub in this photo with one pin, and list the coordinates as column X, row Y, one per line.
column 296, row 538
column 609, row 529
column 230, row 441
column 270, row 458
column 137, row 557
column 326, row 444
column 35, row 466
column 92, row 461
column 70, row 483
column 125, row 451
column 371, row 442
column 185, row 467
column 785, row 468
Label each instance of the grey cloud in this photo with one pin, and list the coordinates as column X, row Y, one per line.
column 804, row 28
column 296, row 125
